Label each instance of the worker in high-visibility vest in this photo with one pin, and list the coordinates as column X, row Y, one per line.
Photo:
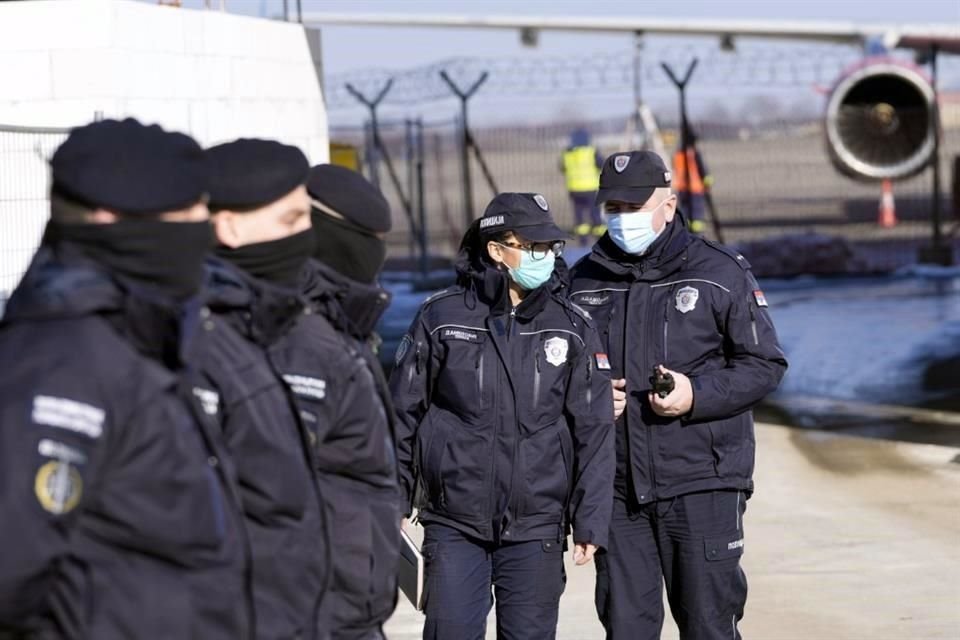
column 692, row 196
column 581, row 167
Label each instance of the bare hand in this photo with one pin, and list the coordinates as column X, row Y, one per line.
column 678, row 402
column 583, row 552
column 403, row 524
column 619, row 396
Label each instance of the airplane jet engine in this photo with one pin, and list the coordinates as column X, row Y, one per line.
column 880, row 121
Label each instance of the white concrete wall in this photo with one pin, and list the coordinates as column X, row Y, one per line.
column 213, row 75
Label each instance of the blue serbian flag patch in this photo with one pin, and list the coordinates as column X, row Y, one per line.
column 603, row 362
column 760, row 298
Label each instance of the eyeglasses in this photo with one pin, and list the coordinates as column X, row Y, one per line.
column 538, row 250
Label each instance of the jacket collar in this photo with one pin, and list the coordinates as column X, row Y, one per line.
column 490, row 286
column 260, row 311
column 351, row 306
column 61, row 282
column 666, row 255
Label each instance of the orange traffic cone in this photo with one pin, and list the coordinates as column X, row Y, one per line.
column 887, row 215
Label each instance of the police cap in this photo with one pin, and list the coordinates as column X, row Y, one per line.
column 250, row 173
column 130, row 168
column 632, row 177
column 345, row 192
column 526, row 214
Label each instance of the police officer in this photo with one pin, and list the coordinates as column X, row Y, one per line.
column 500, row 386
column 261, row 217
column 664, row 297
column 118, row 516
column 330, row 366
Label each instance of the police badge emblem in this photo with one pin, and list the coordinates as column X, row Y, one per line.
column 58, row 486
column 620, row 163
column 541, row 201
column 556, row 350
column 687, row 299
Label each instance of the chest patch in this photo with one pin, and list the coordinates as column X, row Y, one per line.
column 556, row 350
column 209, row 400
column 306, row 386
column 592, row 299
column 460, row 334
column 687, row 299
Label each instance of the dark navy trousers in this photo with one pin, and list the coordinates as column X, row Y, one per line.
column 693, row 544
column 527, row 579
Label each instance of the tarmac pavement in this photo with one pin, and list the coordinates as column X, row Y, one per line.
column 846, row 539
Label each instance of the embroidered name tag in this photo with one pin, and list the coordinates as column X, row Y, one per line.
column 209, row 400
column 460, row 334
column 591, row 299
column 310, row 387
column 71, row 415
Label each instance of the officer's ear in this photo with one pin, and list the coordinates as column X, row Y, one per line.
column 227, row 228
column 495, row 251
column 670, row 208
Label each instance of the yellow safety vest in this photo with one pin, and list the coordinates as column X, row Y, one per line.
column 580, row 167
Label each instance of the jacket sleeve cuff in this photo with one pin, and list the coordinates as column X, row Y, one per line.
column 589, row 536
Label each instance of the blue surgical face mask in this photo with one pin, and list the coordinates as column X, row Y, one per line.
column 532, row 273
column 633, row 231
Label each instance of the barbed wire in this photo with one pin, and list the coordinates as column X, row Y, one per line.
column 610, row 72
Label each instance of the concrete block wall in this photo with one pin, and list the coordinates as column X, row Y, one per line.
column 213, row 75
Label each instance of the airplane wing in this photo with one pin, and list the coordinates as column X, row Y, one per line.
column 920, row 37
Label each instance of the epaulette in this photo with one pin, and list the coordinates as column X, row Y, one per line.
column 734, row 255
column 580, row 311
column 441, row 294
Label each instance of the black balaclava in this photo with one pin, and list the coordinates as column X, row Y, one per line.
column 348, row 248
column 276, row 261
column 165, row 256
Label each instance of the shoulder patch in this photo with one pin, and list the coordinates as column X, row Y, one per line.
column 733, row 254
column 402, row 349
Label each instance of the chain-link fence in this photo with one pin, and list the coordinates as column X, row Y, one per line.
column 24, row 201
column 771, row 179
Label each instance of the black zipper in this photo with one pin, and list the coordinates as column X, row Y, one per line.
column 649, row 432
column 479, row 365
column 510, row 319
column 666, row 325
column 589, row 385
column 495, row 407
column 536, row 379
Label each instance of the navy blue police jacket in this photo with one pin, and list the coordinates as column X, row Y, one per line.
column 339, row 390
column 242, row 388
column 118, row 500
column 505, row 414
column 694, row 307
